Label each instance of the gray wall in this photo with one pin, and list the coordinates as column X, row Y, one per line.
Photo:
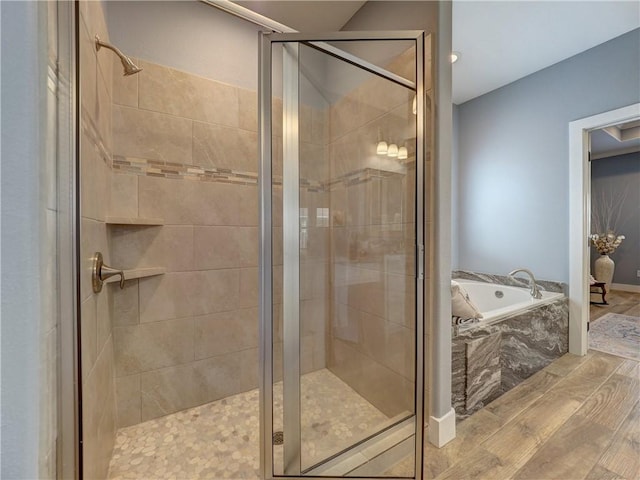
column 23, row 218
column 512, row 183
column 455, row 212
column 619, row 174
column 189, row 36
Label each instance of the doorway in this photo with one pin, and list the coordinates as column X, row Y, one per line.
column 341, row 255
column 580, row 215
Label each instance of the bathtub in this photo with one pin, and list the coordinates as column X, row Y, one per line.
column 496, row 301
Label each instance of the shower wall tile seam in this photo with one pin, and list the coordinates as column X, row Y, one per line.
column 106, row 83
column 332, row 141
column 91, row 218
column 181, row 117
column 88, row 374
column 194, row 225
column 89, row 128
column 185, row 317
column 409, row 378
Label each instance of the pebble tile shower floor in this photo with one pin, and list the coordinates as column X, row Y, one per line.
column 220, row 439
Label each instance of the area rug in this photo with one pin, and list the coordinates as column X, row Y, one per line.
column 616, row 334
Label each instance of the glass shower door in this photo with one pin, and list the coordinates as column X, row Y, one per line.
column 341, row 254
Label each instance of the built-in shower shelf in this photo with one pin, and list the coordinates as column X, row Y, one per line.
column 138, row 273
column 134, row 221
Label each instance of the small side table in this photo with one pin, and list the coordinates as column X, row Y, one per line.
column 602, row 291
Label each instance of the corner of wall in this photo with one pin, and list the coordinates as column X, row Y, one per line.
column 443, row 429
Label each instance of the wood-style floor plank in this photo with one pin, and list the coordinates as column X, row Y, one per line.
column 598, row 364
column 529, row 431
column 479, row 464
column 576, row 419
column 612, row 402
column 633, row 311
column 629, row 368
column 571, row 452
column 623, row 455
column 578, row 387
column 567, row 364
column 625, row 303
column 470, row 433
column 601, row 473
column 518, row 399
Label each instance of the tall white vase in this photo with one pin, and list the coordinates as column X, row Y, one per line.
column 604, row 269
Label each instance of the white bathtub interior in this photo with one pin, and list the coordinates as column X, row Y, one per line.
column 496, row 301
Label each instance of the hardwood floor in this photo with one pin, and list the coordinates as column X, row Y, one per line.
column 626, row 303
column 579, row 418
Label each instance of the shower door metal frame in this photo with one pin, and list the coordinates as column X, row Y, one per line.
column 291, row 230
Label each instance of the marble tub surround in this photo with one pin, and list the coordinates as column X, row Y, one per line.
column 484, row 372
column 518, row 281
column 524, row 344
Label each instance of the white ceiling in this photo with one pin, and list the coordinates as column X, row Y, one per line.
column 307, row 16
column 617, row 140
column 500, row 41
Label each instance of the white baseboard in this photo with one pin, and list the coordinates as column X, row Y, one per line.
column 442, row 430
column 625, row 288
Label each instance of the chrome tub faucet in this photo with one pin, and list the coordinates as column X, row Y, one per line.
column 535, row 290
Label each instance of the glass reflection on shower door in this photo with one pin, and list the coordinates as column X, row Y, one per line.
column 344, row 347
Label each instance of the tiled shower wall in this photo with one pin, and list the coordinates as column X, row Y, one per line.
column 314, row 235
column 185, row 151
column 372, row 333
column 98, row 387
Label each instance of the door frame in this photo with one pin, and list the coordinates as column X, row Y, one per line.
column 69, row 408
column 580, row 218
column 265, row 216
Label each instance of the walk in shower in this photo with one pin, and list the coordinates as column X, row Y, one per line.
column 265, row 206
column 338, row 263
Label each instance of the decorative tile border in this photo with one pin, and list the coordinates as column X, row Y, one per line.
column 156, row 168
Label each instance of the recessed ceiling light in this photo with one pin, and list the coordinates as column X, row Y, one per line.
column 455, row 56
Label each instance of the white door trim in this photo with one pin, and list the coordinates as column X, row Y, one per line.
column 579, row 218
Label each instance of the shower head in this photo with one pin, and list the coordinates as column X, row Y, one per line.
column 130, row 68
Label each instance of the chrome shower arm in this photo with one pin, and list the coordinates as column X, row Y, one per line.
column 100, row 44
column 130, row 68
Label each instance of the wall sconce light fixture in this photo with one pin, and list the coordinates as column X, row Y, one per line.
column 393, row 150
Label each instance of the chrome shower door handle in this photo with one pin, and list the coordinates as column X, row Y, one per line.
column 101, row 272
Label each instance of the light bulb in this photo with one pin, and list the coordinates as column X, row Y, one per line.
column 393, row 150
column 402, row 153
column 382, row 148
column 455, row 56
